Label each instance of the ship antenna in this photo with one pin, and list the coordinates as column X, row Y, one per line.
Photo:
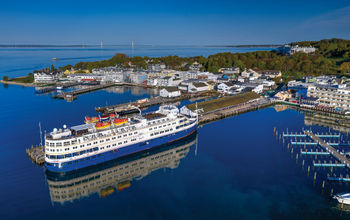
column 41, row 135
column 197, row 111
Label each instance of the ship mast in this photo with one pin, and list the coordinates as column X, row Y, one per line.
column 41, row 135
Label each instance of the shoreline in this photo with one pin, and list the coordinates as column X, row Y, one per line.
column 18, row 83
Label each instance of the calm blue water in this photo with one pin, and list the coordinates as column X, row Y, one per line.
column 233, row 169
column 21, row 61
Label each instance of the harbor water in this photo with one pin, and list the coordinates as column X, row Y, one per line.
column 235, row 168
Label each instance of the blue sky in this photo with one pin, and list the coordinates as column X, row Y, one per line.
column 172, row 22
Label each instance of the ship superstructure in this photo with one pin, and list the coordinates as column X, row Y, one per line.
column 100, row 140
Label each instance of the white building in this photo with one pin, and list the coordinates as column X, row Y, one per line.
column 170, row 92
column 46, row 76
column 197, row 87
column 290, row 50
column 331, row 96
column 225, row 86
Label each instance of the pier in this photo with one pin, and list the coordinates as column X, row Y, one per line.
column 341, row 158
column 37, row 154
column 43, row 90
column 155, row 101
column 70, row 96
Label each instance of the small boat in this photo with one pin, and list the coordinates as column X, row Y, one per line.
column 120, row 121
column 102, row 125
column 54, row 58
column 91, row 119
column 343, row 198
column 123, row 185
column 106, row 191
column 142, row 101
column 59, row 87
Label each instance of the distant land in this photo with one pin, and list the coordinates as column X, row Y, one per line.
column 97, row 45
column 249, row 45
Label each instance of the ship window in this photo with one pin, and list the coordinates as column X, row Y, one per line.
column 152, row 134
column 52, row 144
column 114, row 145
column 66, row 148
column 124, row 135
column 113, row 138
column 101, row 141
column 66, row 143
column 89, row 144
column 108, row 139
column 125, row 142
column 119, row 143
column 130, row 134
column 150, row 129
column 74, row 142
column 119, row 136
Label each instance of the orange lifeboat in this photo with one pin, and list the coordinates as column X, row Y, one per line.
column 111, row 115
column 102, row 125
column 91, row 119
column 123, row 185
column 120, row 121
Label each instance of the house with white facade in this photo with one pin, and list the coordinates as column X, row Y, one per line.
column 170, row 92
column 225, row 86
column 45, row 76
column 197, row 87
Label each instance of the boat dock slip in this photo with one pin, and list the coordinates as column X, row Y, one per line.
column 342, row 158
column 37, row 154
column 317, row 135
column 314, row 153
column 347, row 179
column 311, row 143
column 329, row 165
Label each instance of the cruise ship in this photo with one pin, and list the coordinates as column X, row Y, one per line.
column 106, row 138
column 118, row 174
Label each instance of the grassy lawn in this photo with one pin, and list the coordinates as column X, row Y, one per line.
column 224, row 102
column 24, row 79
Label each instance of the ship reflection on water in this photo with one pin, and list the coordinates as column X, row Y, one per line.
column 116, row 175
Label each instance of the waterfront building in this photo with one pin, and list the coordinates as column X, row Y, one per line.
column 170, row 92
column 332, row 96
column 46, row 76
column 138, row 78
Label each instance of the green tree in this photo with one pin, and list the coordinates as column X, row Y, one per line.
column 52, row 68
column 5, row 78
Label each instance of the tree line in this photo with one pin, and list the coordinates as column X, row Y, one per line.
column 331, row 57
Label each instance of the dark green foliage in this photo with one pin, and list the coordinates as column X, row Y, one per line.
column 5, row 78
column 328, row 59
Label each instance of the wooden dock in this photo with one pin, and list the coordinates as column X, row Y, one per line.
column 221, row 113
column 155, row 101
column 37, row 154
column 69, row 96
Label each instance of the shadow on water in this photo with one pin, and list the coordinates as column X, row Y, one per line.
column 104, row 179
